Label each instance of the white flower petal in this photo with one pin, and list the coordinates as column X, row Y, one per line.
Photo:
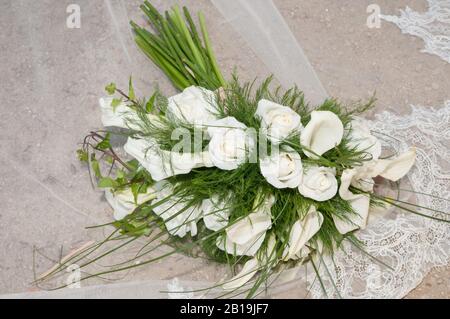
column 245, row 230
column 323, row 132
column 178, row 220
column 361, row 205
column 123, row 202
column 398, row 167
column 148, row 155
column 246, row 236
column 361, row 178
column 302, row 231
column 362, row 139
column 215, row 213
column 113, row 116
column 248, row 271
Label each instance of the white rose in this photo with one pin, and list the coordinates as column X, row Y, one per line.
column 323, row 132
column 215, row 213
column 123, row 202
column 319, row 183
column 278, row 121
column 361, row 138
column 163, row 164
column 178, row 219
column 361, row 177
column 301, row 232
column 195, row 105
column 230, row 143
column 246, row 236
column 282, row 169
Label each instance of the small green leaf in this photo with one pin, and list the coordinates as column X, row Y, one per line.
column 151, row 103
column 115, row 103
column 133, row 164
column 104, row 144
column 120, row 174
column 111, row 88
column 96, row 168
column 82, row 155
column 108, row 159
column 135, row 191
column 131, row 94
column 106, row 182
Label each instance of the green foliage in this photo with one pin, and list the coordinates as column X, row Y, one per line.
column 111, row 88
column 176, row 47
column 82, row 155
column 104, row 144
column 131, row 94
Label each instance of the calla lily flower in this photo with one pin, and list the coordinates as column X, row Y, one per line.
column 361, row 178
column 124, row 203
column 246, row 236
column 302, row 231
column 323, row 132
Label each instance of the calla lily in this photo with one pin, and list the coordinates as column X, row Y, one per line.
column 278, row 121
column 215, row 213
column 323, row 132
column 302, row 231
column 178, row 217
column 263, row 259
column 124, row 203
column 246, row 236
column 114, row 116
column 163, row 164
column 122, row 115
column 361, row 138
column 248, row 271
column 282, row 169
column 361, row 178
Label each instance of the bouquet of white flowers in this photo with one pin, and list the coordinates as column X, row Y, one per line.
column 254, row 176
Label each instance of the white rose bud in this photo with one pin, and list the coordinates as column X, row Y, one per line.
column 195, row 105
column 278, row 121
column 230, row 143
column 282, row 169
column 319, row 183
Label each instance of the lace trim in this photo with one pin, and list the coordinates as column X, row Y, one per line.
column 433, row 26
column 408, row 243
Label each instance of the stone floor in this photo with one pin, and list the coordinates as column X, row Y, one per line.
column 52, row 77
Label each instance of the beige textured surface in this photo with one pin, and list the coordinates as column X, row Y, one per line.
column 52, row 77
